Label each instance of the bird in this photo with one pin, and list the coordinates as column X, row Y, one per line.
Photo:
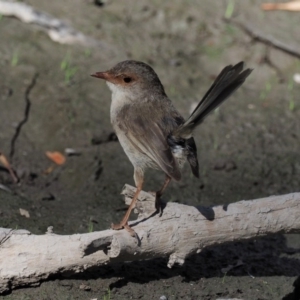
column 150, row 129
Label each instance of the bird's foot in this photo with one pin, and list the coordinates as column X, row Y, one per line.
column 123, row 226
column 158, row 202
column 159, row 205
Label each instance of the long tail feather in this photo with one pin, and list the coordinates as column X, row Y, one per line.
column 230, row 79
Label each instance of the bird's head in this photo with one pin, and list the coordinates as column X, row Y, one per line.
column 132, row 78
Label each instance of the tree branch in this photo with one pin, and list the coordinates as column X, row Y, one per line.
column 256, row 35
column 26, row 259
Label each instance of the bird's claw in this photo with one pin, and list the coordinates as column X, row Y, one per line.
column 124, row 226
column 158, row 205
column 117, row 226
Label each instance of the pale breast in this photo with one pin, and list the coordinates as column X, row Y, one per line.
column 137, row 157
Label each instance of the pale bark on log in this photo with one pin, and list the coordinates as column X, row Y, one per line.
column 26, row 259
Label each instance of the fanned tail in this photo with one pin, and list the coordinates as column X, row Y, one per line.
column 230, row 79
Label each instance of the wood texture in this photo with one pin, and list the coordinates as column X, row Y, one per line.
column 26, row 259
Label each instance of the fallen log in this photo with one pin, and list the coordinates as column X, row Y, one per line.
column 27, row 259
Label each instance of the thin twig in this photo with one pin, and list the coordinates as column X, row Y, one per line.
column 268, row 40
column 4, row 161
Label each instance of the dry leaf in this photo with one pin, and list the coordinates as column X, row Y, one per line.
column 56, row 157
column 291, row 6
column 85, row 287
column 24, row 212
column 6, row 164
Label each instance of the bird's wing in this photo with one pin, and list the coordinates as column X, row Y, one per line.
column 146, row 134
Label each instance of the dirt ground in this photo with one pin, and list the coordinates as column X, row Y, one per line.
column 249, row 148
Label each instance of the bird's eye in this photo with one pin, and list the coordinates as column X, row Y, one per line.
column 127, row 79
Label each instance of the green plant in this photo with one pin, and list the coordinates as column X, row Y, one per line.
column 204, row 171
column 212, row 51
column 264, row 93
column 230, row 30
column 172, row 199
column 91, row 225
column 15, row 59
column 229, row 9
column 216, row 143
column 87, row 52
column 291, row 96
column 68, row 69
column 268, row 286
column 223, row 279
column 107, row 296
column 71, row 116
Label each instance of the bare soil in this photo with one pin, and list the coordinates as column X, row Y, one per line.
column 248, row 148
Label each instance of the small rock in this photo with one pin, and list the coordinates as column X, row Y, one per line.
column 85, row 287
column 24, row 212
column 297, row 78
column 49, row 230
column 68, row 285
column 72, row 152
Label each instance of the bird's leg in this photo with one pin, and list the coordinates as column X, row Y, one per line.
column 160, row 192
column 139, row 180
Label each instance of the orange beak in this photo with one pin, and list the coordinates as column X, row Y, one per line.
column 102, row 75
column 108, row 76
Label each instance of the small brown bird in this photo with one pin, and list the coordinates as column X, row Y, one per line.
column 151, row 131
